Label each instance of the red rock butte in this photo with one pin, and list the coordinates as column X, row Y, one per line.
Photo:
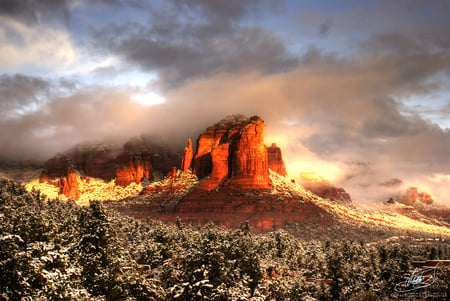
column 412, row 195
column 233, row 154
column 230, row 153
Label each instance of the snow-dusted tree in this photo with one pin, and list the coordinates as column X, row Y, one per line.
column 107, row 268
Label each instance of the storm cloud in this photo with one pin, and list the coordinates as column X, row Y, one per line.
column 196, row 39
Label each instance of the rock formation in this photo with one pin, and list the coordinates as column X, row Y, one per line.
column 97, row 161
column 224, row 132
column 233, row 151
column 323, row 188
column 276, row 162
column 68, row 185
column 132, row 168
column 135, row 161
column 250, row 166
column 56, row 167
column 187, row 157
column 219, row 157
column 412, row 195
column 59, row 171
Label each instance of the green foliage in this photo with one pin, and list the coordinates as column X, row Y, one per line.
column 59, row 251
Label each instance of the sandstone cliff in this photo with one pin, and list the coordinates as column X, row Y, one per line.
column 276, row 162
column 137, row 160
column 412, row 196
column 250, row 163
column 233, row 153
column 187, row 157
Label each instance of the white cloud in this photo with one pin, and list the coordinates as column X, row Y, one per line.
column 148, row 99
column 25, row 47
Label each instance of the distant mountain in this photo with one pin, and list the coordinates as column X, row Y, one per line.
column 412, row 202
column 323, row 188
column 230, row 176
column 135, row 161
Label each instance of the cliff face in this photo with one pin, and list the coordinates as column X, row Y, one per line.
column 68, row 185
column 276, row 162
column 412, row 195
column 250, row 166
column 187, row 157
column 226, row 131
column 96, row 162
column 133, row 163
column 233, row 152
column 219, row 159
column 132, row 168
column 56, row 167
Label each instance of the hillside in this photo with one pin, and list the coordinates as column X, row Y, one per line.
column 229, row 177
column 57, row 250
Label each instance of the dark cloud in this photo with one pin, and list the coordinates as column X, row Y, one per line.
column 222, row 9
column 325, row 27
column 44, row 11
column 228, row 10
column 393, row 182
column 32, row 11
column 124, row 3
column 195, row 39
column 18, row 91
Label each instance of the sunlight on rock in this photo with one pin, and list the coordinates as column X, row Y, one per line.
column 89, row 189
column 352, row 213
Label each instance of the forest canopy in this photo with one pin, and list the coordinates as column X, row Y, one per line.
column 54, row 250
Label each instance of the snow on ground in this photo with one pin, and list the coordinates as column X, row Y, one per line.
column 355, row 212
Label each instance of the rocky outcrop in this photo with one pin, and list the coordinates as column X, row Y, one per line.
column 233, row 152
column 323, row 188
column 224, row 132
column 97, row 161
column 132, row 168
column 68, row 184
column 417, row 205
column 219, row 157
column 250, row 166
column 187, row 157
column 276, row 162
column 56, row 167
column 136, row 160
column 332, row 193
column 412, row 195
column 59, row 171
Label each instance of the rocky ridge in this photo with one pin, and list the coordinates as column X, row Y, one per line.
column 413, row 202
column 136, row 161
column 231, row 177
column 323, row 188
column 286, row 205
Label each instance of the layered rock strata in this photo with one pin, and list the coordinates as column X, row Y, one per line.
column 232, row 153
column 275, row 158
column 135, row 162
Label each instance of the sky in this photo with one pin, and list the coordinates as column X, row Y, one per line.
column 357, row 91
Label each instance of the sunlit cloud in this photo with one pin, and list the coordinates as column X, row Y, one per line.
column 36, row 47
column 148, row 99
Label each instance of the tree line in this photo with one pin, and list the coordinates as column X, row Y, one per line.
column 53, row 250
